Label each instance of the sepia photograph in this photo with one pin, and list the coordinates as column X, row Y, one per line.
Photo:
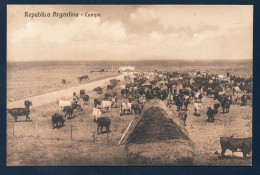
column 129, row 85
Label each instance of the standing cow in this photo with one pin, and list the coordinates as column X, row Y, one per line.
column 96, row 114
column 103, row 122
column 197, row 108
column 15, row 112
column 57, row 120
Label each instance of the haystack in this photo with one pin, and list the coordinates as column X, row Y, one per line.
column 158, row 137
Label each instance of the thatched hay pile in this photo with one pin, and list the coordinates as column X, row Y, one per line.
column 158, row 138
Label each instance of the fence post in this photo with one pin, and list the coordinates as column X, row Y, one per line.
column 107, row 137
column 13, row 129
column 71, row 131
column 36, row 128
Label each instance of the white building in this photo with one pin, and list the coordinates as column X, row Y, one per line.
column 126, row 68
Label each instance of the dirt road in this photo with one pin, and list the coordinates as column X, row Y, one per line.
column 61, row 94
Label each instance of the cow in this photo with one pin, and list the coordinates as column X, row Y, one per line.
column 106, row 105
column 63, row 103
column 108, row 96
column 186, row 103
column 197, row 108
column 98, row 90
column 233, row 144
column 198, row 96
column 68, row 110
column 243, row 100
column 236, row 89
column 137, row 108
column 211, row 114
column 97, row 102
column 183, row 116
column 57, row 120
column 82, row 93
column 225, row 104
column 85, row 98
column 96, row 114
column 21, row 111
column 216, row 106
column 114, row 101
column 110, row 86
column 84, row 77
column 142, row 99
column 179, row 102
column 103, row 122
column 125, row 107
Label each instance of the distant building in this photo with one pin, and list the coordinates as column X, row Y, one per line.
column 126, row 68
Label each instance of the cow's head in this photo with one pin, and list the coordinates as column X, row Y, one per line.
column 28, row 104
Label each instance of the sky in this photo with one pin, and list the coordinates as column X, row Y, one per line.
column 147, row 32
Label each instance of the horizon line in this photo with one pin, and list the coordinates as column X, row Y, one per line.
column 179, row 59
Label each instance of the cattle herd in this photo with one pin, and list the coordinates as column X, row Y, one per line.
column 174, row 88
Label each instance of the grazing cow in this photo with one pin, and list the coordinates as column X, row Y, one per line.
column 57, row 120
column 84, row 77
column 96, row 114
column 103, row 122
column 63, row 103
column 85, row 98
column 183, row 116
column 216, row 106
column 210, row 113
column 97, row 102
column 106, row 105
column 197, row 108
column 21, row 111
column 125, row 107
column 98, row 90
column 233, row 144
column 110, row 86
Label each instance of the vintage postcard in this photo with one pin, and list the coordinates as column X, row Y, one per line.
column 129, row 85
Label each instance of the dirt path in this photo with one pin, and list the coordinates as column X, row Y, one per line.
column 61, row 94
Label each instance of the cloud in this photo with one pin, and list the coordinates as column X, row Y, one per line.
column 151, row 32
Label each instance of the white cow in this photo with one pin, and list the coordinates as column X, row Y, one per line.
column 221, row 77
column 106, row 105
column 126, row 107
column 122, row 86
column 96, row 113
column 197, row 108
column 63, row 103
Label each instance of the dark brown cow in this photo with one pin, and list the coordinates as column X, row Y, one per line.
column 15, row 112
column 233, row 144
column 103, row 122
column 57, row 120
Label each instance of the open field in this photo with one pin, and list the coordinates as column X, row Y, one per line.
column 35, row 143
column 24, row 81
